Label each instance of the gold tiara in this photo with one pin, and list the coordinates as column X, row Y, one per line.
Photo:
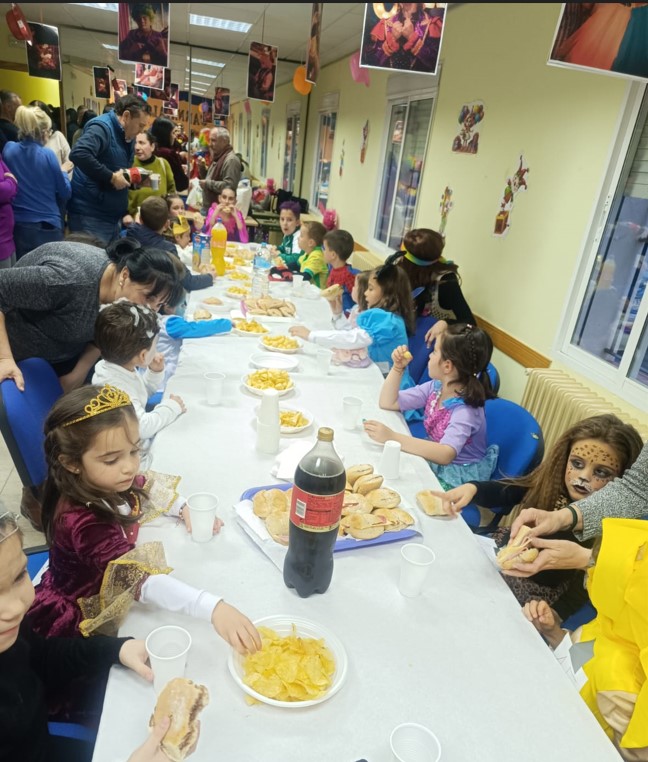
column 109, row 398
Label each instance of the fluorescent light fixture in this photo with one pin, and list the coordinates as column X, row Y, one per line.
column 110, row 47
column 202, row 73
column 206, row 62
column 100, row 6
column 202, row 81
column 214, row 23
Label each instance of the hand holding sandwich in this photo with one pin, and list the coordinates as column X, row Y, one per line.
column 235, row 628
column 543, row 523
column 554, row 554
column 150, row 750
column 455, row 499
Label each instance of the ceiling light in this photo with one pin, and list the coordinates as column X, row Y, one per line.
column 100, row 6
column 201, row 73
column 206, row 62
column 110, row 47
column 214, row 23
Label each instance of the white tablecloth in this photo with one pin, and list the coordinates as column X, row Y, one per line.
column 461, row 659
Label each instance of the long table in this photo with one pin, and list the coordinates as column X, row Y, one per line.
column 461, row 659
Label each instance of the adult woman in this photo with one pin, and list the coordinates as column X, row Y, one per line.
column 146, row 159
column 42, row 183
column 50, row 300
column 57, row 141
column 8, row 189
column 166, row 147
column 87, row 115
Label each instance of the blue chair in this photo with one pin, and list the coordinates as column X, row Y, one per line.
column 419, row 349
column 585, row 614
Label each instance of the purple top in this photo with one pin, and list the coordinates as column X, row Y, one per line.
column 8, row 189
column 453, row 423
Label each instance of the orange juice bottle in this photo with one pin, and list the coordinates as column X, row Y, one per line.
column 218, row 246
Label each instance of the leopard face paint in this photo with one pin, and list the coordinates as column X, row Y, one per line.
column 590, row 466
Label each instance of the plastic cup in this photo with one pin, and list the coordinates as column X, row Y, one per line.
column 202, row 510
column 297, row 283
column 351, row 407
column 389, row 465
column 167, row 649
column 324, row 357
column 269, row 407
column 155, row 181
column 411, row 742
column 268, row 436
column 416, row 560
column 214, row 383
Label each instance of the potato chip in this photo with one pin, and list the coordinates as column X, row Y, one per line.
column 270, row 379
column 289, row 668
column 293, row 419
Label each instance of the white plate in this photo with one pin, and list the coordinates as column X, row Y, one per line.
column 245, row 333
column 297, row 429
column 275, row 362
column 306, row 628
column 259, row 392
column 216, row 309
column 282, row 351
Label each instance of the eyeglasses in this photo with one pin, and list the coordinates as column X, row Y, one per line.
column 8, row 525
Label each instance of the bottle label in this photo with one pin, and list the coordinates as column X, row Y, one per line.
column 315, row 513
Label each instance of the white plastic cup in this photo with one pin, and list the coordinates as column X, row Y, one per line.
column 351, row 407
column 268, row 436
column 155, row 181
column 214, row 383
column 411, row 742
column 416, row 560
column 324, row 357
column 389, row 465
column 269, row 407
column 167, row 648
column 297, row 283
column 202, row 511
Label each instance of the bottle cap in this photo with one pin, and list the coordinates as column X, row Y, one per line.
column 325, row 435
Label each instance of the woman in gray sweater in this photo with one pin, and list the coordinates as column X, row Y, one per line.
column 50, row 300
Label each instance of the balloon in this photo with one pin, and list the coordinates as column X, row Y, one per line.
column 299, row 81
column 357, row 72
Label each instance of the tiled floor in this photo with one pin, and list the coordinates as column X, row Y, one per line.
column 10, row 494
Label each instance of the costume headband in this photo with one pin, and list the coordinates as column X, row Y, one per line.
column 181, row 226
column 109, row 398
column 417, row 261
column 11, row 521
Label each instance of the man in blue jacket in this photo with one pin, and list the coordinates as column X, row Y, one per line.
column 99, row 188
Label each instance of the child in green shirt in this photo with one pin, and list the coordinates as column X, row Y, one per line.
column 311, row 262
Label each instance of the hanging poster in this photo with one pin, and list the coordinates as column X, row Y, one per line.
column 222, row 101
column 120, row 88
column 147, row 75
column 44, row 55
column 164, row 92
column 403, row 36
column 202, row 110
column 467, row 141
column 262, row 70
column 515, row 184
column 313, row 60
column 609, row 38
column 143, row 30
column 101, row 76
column 171, row 103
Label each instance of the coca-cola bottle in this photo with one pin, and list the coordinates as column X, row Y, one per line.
column 314, row 517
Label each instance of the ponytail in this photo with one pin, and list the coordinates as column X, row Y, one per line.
column 469, row 349
column 32, row 123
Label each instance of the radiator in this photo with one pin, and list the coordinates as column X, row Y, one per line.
column 557, row 401
column 365, row 260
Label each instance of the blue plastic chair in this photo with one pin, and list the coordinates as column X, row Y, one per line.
column 419, row 349
column 490, row 369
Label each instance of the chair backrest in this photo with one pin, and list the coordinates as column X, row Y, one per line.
column 494, row 377
column 22, row 415
column 419, row 349
column 517, row 434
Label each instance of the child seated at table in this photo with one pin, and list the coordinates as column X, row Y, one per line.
column 231, row 217
column 338, row 247
column 181, row 233
column 310, row 262
column 384, row 315
column 94, row 501
column 177, row 208
column 127, row 335
column 453, row 403
column 289, row 221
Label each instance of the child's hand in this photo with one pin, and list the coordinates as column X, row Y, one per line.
column 437, row 329
column 456, row 499
column 401, row 357
column 545, row 620
column 300, row 331
column 150, row 750
column 186, row 517
column 198, row 221
column 336, row 304
column 378, row 431
column 177, row 399
column 157, row 363
column 133, row 655
column 235, row 628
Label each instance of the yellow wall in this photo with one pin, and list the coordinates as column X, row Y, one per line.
column 78, row 83
column 30, row 88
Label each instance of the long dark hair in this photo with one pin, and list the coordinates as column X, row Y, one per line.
column 149, row 267
column 397, row 294
column 469, row 349
column 70, row 443
column 162, row 128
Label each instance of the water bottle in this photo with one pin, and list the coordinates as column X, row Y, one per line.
column 218, row 246
column 260, row 270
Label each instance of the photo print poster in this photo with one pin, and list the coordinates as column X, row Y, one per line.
column 262, row 71
column 143, row 31
column 313, row 59
column 44, row 55
column 101, row 77
column 147, row 75
column 403, row 36
column 222, row 101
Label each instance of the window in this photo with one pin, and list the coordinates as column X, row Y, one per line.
column 605, row 331
column 292, row 145
column 324, row 154
column 408, row 125
column 265, row 131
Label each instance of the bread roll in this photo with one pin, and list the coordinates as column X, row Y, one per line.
column 353, row 473
column 396, row 518
column 355, row 503
column 384, row 498
column 517, row 551
column 364, row 526
column 366, row 484
column 332, row 291
column 182, row 700
column 201, row 314
column 278, row 525
column 269, row 501
column 430, row 504
column 212, row 300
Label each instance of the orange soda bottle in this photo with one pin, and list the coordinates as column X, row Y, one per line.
column 218, row 246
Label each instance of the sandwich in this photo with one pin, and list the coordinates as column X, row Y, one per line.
column 355, row 472
column 384, row 498
column 269, row 501
column 201, row 314
column 355, row 503
column 212, row 300
column 518, row 550
column 364, row 526
column 332, row 291
column 182, row 701
column 396, row 518
column 278, row 525
column 430, row 504
column 366, row 484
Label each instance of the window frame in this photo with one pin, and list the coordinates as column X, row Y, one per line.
column 615, row 379
column 329, row 105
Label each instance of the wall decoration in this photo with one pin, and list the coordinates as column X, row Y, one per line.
column 143, row 30
column 299, row 81
column 313, row 60
column 262, row 70
column 363, row 143
column 444, row 207
column 44, row 55
column 147, row 75
column 222, row 101
column 609, row 38
column 403, row 36
column 514, row 185
column 467, row 141
column 101, row 76
column 120, row 88
column 358, row 74
column 341, row 171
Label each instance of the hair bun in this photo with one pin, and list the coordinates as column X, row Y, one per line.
column 121, row 249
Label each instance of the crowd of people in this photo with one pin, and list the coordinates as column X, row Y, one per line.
column 95, row 271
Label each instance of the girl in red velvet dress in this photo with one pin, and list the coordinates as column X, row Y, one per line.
column 93, row 504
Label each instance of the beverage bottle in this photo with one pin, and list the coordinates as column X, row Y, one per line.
column 260, row 270
column 196, row 259
column 315, row 511
column 218, row 246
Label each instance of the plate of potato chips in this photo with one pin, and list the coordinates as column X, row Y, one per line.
column 293, row 420
column 262, row 379
column 279, row 343
column 248, row 328
column 300, row 664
